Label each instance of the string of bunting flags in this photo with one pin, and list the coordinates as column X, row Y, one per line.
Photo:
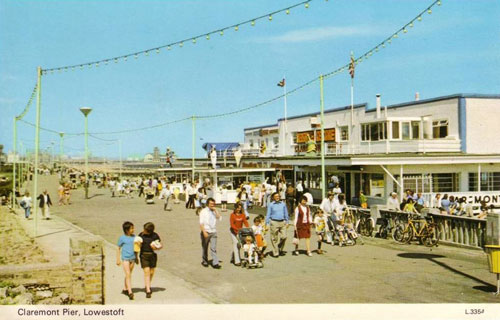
column 348, row 66
column 28, row 105
column 252, row 22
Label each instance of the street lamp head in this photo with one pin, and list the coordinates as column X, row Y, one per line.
column 61, row 134
column 85, row 110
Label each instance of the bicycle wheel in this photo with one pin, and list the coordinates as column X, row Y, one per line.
column 400, row 234
column 383, row 233
column 361, row 226
column 368, row 227
column 431, row 237
column 408, row 234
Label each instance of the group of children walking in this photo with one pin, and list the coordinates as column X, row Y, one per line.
column 133, row 248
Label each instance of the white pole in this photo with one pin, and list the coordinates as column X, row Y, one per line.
column 285, row 124
column 351, row 129
column 401, row 183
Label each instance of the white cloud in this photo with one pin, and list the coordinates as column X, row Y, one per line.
column 318, row 34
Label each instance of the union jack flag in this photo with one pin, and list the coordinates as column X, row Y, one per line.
column 352, row 67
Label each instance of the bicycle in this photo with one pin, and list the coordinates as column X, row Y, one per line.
column 365, row 224
column 425, row 232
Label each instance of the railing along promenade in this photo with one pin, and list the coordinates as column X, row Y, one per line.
column 456, row 230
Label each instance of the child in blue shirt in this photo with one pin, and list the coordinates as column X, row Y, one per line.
column 127, row 255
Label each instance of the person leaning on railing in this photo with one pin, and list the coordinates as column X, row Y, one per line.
column 393, row 202
column 484, row 210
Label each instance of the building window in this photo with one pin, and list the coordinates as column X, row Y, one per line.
column 372, row 184
column 490, row 181
column 294, row 137
column 430, row 182
column 415, row 130
column 439, row 129
column 445, row 182
column 374, row 131
column 365, row 133
column 377, row 185
column 251, row 143
column 344, row 133
column 395, row 129
column 405, row 128
column 276, row 142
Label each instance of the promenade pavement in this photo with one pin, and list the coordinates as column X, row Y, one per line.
column 53, row 237
column 380, row 271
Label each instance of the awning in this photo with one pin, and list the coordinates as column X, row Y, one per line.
column 220, row 146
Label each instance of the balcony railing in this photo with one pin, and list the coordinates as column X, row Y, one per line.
column 393, row 146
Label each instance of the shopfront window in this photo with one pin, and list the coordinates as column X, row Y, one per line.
column 373, row 184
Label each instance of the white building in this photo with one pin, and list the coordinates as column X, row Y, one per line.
column 438, row 145
column 256, row 136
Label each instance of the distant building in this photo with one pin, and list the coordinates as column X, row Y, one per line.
column 156, row 154
column 445, row 144
column 149, row 158
column 255, row 136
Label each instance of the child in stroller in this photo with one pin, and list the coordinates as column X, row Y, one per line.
column 246, row 239
column 343, row 233
column 150, row 196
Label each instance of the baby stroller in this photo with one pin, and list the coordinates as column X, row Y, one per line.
column 150, row 196
column 342, row 230
column 246, row 239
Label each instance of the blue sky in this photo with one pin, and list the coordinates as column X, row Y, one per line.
column 456, row 49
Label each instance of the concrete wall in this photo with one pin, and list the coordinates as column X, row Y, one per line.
column 482, row 121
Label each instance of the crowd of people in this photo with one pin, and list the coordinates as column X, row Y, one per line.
column 446, row 204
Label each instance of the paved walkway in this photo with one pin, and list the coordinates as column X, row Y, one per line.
column 53, row 238
column 380, row 271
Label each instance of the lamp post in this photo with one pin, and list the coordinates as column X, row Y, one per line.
column 120, row 147
column 61, row 148
column 14, row 166
column 86, row 111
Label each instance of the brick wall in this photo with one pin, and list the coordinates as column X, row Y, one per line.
column 82, row 278
column 58, row 276
column 87, row 270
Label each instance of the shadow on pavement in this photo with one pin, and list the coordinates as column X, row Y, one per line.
column 416, row 255
column 96, row 195
column 486, row 286
column 48, row 234
column 153, row 289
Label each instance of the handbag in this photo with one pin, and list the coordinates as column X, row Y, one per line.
column 295, row 238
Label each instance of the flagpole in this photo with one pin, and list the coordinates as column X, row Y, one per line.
column 352, row 106
column 322, row 112
column 284, row 137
